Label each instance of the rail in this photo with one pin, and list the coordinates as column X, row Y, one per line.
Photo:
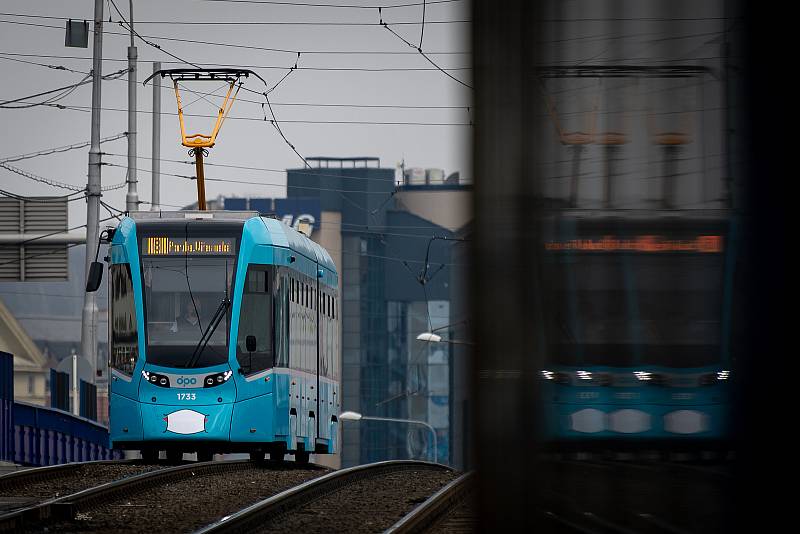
column 433, row 510
column 255, row 515
column 35, row 474
column 66, row 507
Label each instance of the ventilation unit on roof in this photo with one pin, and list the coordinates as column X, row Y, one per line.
column 415, row 176
column 435, row 176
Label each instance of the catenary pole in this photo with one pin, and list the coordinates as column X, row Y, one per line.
column 155, row 201
column 132, row 198
column 89, row 326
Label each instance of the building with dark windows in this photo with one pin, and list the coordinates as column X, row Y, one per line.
column 390, row 234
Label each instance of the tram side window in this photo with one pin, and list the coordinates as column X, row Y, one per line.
column 124, row 332
column 255, row 319
column 281, row 314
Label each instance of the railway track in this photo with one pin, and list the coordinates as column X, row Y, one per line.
column 23, row 488
column 355, row 499
column 65, row 506
column 115, row 505
column 447, row 510
column 23, row 476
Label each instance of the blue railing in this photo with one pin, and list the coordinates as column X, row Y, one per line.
column 35, row 435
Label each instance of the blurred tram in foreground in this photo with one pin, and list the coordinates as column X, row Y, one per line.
column 224, row 337
column 637, row 330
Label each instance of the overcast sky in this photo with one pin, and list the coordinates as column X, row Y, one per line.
column 252, row 143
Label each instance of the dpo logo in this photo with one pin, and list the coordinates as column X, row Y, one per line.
column 186, row 381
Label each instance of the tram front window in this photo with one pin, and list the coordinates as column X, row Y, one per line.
column 638, row 310
column 182, row 295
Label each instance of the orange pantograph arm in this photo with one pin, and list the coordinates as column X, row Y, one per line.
column 203, row 140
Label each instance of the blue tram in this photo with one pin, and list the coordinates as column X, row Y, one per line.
column 638, row 341
column 224, row 337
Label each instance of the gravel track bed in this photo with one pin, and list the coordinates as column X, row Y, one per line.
column 82, row 478
column 370, row 505
column 187, row 505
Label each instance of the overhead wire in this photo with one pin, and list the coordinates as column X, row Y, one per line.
column 245, row 47
column 298, row 104
column 274, row 122
column 149, row 43
column 57, row 150
column 37, row 178
column 260, row 183
column 290, row 121
column 339, row 6
column 265, row 67
column 420, row 51
column 293, row 23
column 3, row 55
column 291, row 70
column 55, row 183
column 65, row 91
column 422, row 29
column 250, row 168
column 40, row 200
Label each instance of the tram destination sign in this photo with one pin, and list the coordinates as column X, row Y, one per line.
column 194, row 246
column 642, row 243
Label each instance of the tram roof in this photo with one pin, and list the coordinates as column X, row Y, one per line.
column 193, row 215
column 299, row 242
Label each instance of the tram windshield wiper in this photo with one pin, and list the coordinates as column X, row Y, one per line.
column 219, row 314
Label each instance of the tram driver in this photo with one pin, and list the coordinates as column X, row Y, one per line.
column 188, row 322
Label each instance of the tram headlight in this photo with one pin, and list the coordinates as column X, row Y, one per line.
column 643, row 376
column 156, row 379
column 216, row 379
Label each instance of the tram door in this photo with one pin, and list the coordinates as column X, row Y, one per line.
column 124, row 346
column 317, row 332
column 254, row 339
column 303, row 390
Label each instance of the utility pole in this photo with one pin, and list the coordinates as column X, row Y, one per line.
column 76, row 396
column 89, row 328
column 155, row 201
column 132, row 198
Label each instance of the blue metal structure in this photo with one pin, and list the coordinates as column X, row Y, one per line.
column 638, row 338
column 34, row 435
column 224, row 337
